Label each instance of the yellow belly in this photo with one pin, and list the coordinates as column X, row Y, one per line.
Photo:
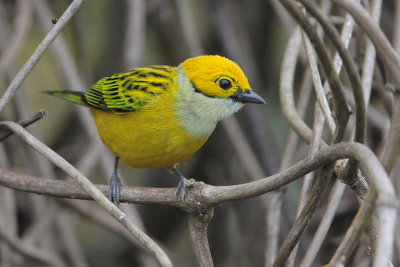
column 146, row 138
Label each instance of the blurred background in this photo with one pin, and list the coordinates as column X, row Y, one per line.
column 106, row 37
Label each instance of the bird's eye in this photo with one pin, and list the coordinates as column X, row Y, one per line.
column 225, row 84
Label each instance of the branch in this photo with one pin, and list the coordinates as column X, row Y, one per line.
column 274, row 201
column 386, row 53
column 198, row 222
column 207, row 196
column 286, row 81
column 30, row 64
column 84, row 182
column 351, row 170
column 4, row 133
column 340, row 105
column 202, row 196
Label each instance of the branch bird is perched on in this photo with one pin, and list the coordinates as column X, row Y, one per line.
column 158, row 116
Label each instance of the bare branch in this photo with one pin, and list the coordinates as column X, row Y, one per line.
column 319, row 90
column 4, row 133
column 84, row 182
column 274, row 200
column 308, row 179
column 385, row 51
column 286, row 87
column 203, row 196
column 374, row 171
column 198, row 223
column 340, row 106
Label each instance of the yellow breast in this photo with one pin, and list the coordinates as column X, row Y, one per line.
column 151, row 137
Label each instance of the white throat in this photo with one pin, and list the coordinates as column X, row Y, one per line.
column 198, row 113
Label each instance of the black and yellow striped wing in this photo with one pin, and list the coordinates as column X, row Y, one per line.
column 130, row 90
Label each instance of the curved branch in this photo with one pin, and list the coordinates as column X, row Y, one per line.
column 340, row 105
column 286, row 81
column 388, row 55
column 354, row 77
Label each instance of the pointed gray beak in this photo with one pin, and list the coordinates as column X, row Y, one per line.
column 248, row 97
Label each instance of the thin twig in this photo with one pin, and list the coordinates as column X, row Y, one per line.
column 4, row 133
column 27, row 68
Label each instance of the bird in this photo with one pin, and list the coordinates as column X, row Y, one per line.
column 157, row 116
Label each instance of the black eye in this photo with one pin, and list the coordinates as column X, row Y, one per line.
column 225, row 84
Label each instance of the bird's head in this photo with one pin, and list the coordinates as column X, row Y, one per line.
column 219, row 77
column 211, row 88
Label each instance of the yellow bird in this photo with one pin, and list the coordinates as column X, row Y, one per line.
column 160, row 115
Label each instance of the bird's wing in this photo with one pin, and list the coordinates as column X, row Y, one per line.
column 130, row 90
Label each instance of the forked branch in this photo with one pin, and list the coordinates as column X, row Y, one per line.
column 204, row 197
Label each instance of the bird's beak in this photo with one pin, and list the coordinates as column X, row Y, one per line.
column 248, row 97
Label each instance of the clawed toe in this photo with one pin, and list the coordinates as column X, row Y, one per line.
column 114, row 192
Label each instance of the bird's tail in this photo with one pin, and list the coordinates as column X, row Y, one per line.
column 73, row 96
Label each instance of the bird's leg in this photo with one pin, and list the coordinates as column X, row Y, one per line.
column 182, row 183
column 115, row 183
